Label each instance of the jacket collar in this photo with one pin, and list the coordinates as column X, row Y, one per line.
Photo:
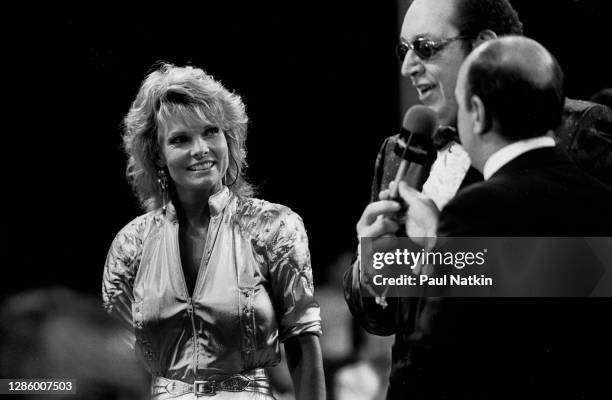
column 217, row 203
column 537, row 158
column 514, row 150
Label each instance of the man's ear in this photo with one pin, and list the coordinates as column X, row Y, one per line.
column 483, row 36
column 479, row 116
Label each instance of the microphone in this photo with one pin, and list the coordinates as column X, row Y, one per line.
column 418, row 127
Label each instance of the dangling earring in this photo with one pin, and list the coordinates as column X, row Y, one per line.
column 162, row 179
column 235, row 178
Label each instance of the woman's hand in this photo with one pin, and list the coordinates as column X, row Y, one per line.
column 306, row 366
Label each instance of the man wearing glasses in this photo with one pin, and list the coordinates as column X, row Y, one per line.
column 436, row 37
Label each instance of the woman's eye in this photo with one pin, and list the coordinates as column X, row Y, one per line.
column 178, row 140
column 211, row 131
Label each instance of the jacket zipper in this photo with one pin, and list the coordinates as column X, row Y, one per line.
column 195, row 339
column 204, row 261
column 190, row 311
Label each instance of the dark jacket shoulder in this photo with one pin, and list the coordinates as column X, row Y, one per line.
column 586, row 135
column 539, row 193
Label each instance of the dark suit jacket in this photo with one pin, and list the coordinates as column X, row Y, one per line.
column 517, row 347
column 540, row 193
column 586, row 135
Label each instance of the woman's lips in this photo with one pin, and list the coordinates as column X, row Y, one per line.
column 201, row 166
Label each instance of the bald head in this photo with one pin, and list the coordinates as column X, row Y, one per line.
column 525, row 56
column 520, row 84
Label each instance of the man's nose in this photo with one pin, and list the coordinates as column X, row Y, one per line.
column 412, row 65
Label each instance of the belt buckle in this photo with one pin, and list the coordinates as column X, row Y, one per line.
column 205, row 388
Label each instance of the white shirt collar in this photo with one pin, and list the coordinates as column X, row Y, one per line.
column 508, row 153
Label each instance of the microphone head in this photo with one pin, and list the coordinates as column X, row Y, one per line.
column 421, row 121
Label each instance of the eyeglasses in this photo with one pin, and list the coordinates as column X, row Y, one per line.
column 423, row 47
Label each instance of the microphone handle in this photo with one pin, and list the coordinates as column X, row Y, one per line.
column 401, row 171
column 400, row 215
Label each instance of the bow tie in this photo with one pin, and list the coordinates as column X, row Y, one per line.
column 444, row 135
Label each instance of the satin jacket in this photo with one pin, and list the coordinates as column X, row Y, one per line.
column 254, row 288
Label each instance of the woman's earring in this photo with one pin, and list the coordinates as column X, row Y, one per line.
column 224, row 181
column 162, row 179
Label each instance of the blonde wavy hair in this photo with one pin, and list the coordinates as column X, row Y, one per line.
column 191, row 95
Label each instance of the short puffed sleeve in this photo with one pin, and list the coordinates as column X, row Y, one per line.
column 120, row 270
column 291, row 278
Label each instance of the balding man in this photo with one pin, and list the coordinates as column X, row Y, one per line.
column 510, row 97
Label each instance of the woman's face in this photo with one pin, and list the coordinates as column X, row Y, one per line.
column 196, row 156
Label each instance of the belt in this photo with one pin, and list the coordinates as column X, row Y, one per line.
column 255, row 380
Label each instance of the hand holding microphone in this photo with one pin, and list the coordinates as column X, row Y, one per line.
column 415, row 142
column 419, row 125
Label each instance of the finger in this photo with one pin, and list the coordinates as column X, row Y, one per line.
column 384, row 195
column 410, row 195
column 382, row 207
column 381, row 226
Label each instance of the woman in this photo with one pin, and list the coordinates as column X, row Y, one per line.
column 210, row 279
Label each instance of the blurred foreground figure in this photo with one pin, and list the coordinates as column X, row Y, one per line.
column 60, row 334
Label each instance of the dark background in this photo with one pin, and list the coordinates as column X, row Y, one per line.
column 321, row 85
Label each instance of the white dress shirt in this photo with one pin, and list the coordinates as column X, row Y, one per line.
column 447, row 173
column 508, row 153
